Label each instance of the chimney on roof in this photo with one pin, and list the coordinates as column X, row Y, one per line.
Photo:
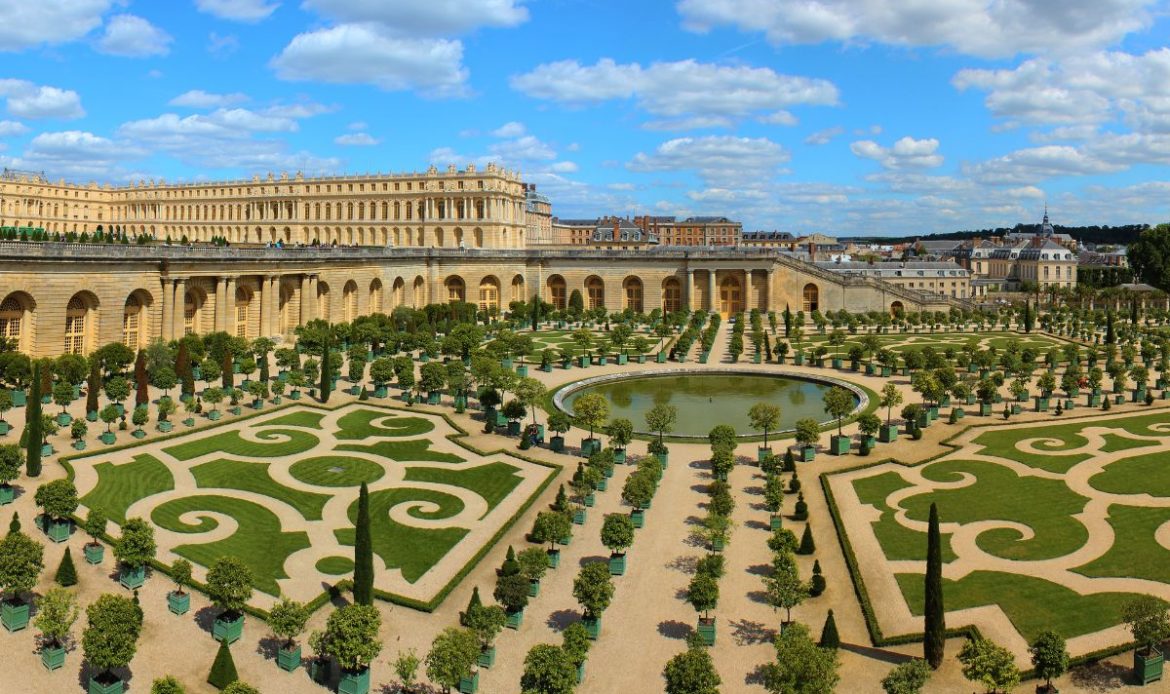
column 812, row 251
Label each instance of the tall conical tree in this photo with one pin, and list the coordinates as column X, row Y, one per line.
column 66, row 571
column 33, row 418
column 93, row 387
column 363, row 552
column 223, row 670
column 184, row 370
column 141, row 380
column 326, row 372
column 472, row 603
column 829, row 636
column 227, row 374
column 934, row 638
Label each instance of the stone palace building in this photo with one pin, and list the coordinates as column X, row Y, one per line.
column 340, row 247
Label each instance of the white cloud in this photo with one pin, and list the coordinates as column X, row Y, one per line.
column 222, row 45
column 51, row 22
column 197, row 98
column 28, row 100
column 907, row 153
column 521, row 149
column 238, row 10
column 356, row 140
column 76, row 153
column 12, row 128
column 510, row 129
column 367, row 54
column 564, row 167
column 691, row 123
column 986, row 28
column 715, row 158
column 824, row 137
column 779, row 118
column 676, row 90
column 299, row 110
column 1031, row 165
column 131, row 36
column 431, row 18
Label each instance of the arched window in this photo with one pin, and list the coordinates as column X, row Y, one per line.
column 595, row 289
column 192, row 302
column 132, row 322
column 518, row 288
column 376, row 296
column 671, row 295
column 812, row 300
column 456, row 289
column 11, row 320
column 633, row 292
column 76, row 315
column 489, row 294
column 557, row 294
column 349, row 301
column 323, row 303
column 243, row 299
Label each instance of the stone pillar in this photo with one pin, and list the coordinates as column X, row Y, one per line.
column 168, row 307
column 178, row 310
column 265, row 306
column 229, row 304
column 306, row 302
column 688, row 301
column 220, row 304
column 712, row 298
column 771, row 298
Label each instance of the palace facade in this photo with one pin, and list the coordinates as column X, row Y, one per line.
column 341, row 247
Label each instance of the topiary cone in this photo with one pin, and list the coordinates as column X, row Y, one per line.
column 66, row 571
column 223, row 670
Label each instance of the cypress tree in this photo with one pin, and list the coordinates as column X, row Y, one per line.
column 807, row 545
column 1110, row 338
column 93, row 387
column 141, row 382
column 363, row 552
column 227, row 376
column 829, row 637
column 510, row 567
column 934, row 638
column 34, row 424
column 66, row 571
column 326, row 372
column 183, row 369
column 223, row 670
column 473, row 603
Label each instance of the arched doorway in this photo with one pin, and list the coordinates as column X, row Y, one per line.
column 557, row 294
column 595, row 292
column 397, row 293
column 897, row 309
column 730, row 296
column 349, row 301
column 323, row 302
column 243, row 303
column 489, row 294
column 671, row 295
column 376, row 296
column 420, row 292
column 456, row 289
column 288, row 319
column 193, row 302
column 518, row 288
column 812, row 298
column 632, row 288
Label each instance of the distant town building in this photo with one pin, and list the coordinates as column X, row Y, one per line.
column 692, row 231
column 604, row 232
column 942, row 278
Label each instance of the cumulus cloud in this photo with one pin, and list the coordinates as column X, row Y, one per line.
column 1035, row 164
column 676, row 90
column 432, row 18
column 50, row 22
column 131, row 36
column 907, row 153
column 368, row 54
column 356, row 140
column 12, row 128
column 76, row 153
column 197, row 98
column 238, row 10
column 824, row 137
column 510, row 129
column 985, row 28
column 715, row 157
column 28, row 100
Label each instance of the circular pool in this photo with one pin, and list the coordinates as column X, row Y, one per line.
column 708, row 397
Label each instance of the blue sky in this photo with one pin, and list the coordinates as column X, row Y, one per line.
column 841, row 116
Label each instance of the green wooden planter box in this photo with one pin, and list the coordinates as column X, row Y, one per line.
column 617, row 564
column 590, row 446
column 580, row 673
column 19, row 397
column 14, row 614
column 557, row 443
column 500, row 420
column 579, row 517
column 775, row 522
column 63, row 419
column 469, row 684
column 622, row 359
column 985, row 409
column 554, row 558
column 165, row 426
column 583, row 362
column 214, row 415
column 888, row 433
column 1118, row 399
column 660, row 358
column 704, row 357
column 59, row 530
column 354, row 681
column 102, row 685
column 1147, row 668
column 619, row 457
column 5, row 427
column 638, row 516
column 590, row 500
column 808, row 454
column 641, row 358
column 706, row 629
column 837, row 363
column 763, row 453
column 53, row 658
column 178, row 603
column 288, row 659
column 513, row 428
column 132, row 577
column 959, row 412
column 798, row 360
column 662, row 458
column 228, row 627
column 94, row 553
column 1094, row 400
column 592, row 626
column 944, row 401
column 839, row 445
column 7, row 494
column 1016, row 409
column 138, row 434
column 514, row 619
column 235, row 409
column 1041, row 404
column 434, row 397
column 533, row 589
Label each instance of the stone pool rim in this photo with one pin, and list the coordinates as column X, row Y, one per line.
column 568, row 389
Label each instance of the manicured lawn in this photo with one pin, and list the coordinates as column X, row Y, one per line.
column 335, row 566
column 359, row 424
column 336, row 471
column 494, row 481
column 119, row 486
column 1135, row 553
column 1141, row 474
column 1002, row 442
column 254, row 477
column 897, row 541
column 270, row 445
column 301, row 418
column 1032, row 604
column 258, row 541
column 413, row 550
column 412, row 449
column 1047, row 506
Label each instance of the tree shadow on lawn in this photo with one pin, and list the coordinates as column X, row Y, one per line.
column 561, row 619
column 1101, row 676
column 746, row 632
column 695, row 539
column 674, row 629
column 687, row 563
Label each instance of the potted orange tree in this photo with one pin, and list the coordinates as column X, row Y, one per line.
column 287, row 620
column 1148, row 619
column 22, row 564
column 56, row 614
column 351, row 637
column 134, row 550
column 110, row 640
column 617, row 533
column 229, row 585
column 593, row 589
column 179, row 600
column 95, row 527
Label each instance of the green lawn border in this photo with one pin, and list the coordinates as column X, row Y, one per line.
column 344, row 584
column 877, row 638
